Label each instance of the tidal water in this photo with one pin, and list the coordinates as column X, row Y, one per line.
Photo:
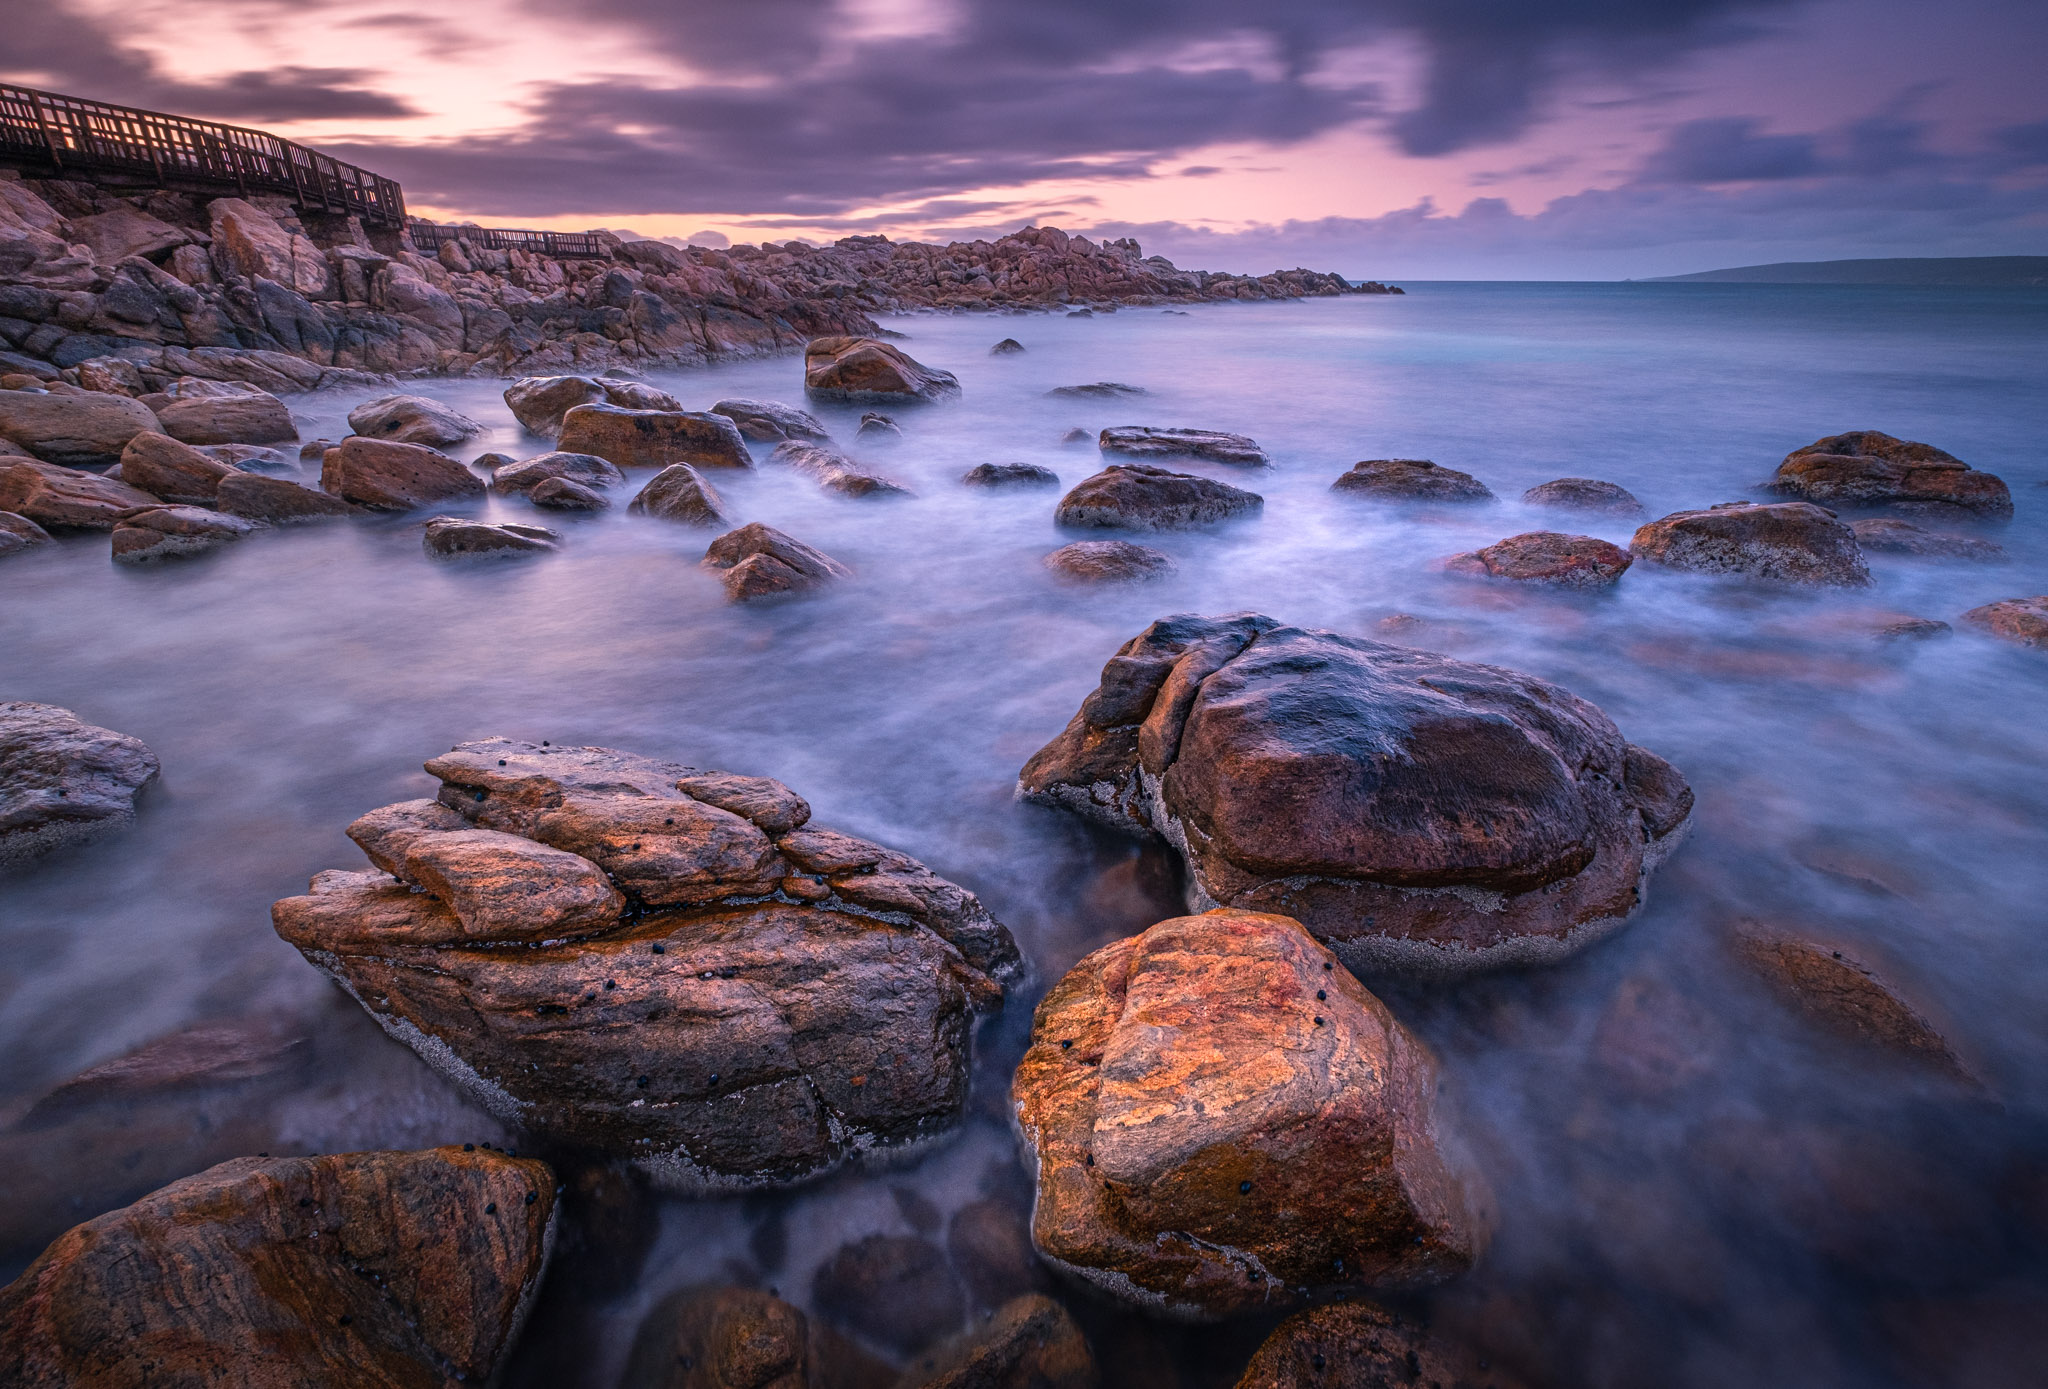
column 1695, row 1185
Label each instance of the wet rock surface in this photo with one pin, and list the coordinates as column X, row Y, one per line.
column 679, row 493
column 585, row 469
column 394, row 477
column 777, row 999
column 163, row 467
column 1008, row 347
column 2021, row 620
column 770, row 421
column 175, row 532
column 878, row 428
column 742, row 1338
column 1411, row 480
column 1781, row 542
column 1419, row 814
column 1225, row 1121
column 412, row 419
column 540, row 402
column 1546, row 557
column 1887, row 536
column 1867, row 469
column 1010, row 475
column 1842, row 994
column 835, row 472
column 1361, row 1345
column 654, row 438
column 1107, row 562
column 760, row 562
column 1142, row 441
column 61, row 498
column 566, row 494
column 458, row 537
column 864, row 371
column 62, row 780
column 1139, row 496
column 18, row 533
column 1030, row 1343
column 1584, row 494
column 85, row 430
column 274, row 501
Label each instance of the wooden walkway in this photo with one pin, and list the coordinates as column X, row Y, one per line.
column 429, row 237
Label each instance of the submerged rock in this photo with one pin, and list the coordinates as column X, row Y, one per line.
column 1141, row 441
column 770, row 421
column 277, row 502
column 63, row 498
column 1411, row 479
column 566, row 494
column 1361, row 1345
column 835, row 472
column 758, row 561
column 1107, row 562
column 394, row 477
column 1842, row 994
column 540, row 402
column 742, row 1338
column 864, row 371
column 775, row 998
column 1584, row 494
column 88, row 429
column 1224, row 1122
column 679, row 493
column 2022, row 620
column 18, row 533
column 892, row 1290
column 1138, row 496
column 1008, row 347
column 412, row 419
column 1099, row 390
column 1546, row 557
column 412, row 1270
column 163, row 467
column 1884, row 535
column 1866, row 468
column 654, row 438
column 878, row 427
column 1029, row 1343
column 62, row 780
column 522, row 477
column 1010, row 475
column 1419, row 814
column 1784, row 542
column 457, row 537
column 175, row 532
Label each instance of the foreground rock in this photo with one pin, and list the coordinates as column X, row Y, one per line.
column 1361, row 1345
column 678, row 493
column 163, row 467
column 1546, row 557
column 276, row 502
column 412, row 419
column 1866, row 468
column 742, row 1338
column 1411, row 480
column 1584, row 494
column 1141, row 441
column 1009, row 475
column 247, row 416
column 519, row 479
column 18, row 533
column 654, row 438
column 88, row 429
column 2022, row 620
column 770, row 421
column 540, row 402
column 1108, row 562
column 1842, row 995
column 1419, row 814
column 1884, row 535
column 1783, row 542
column 394, row 477
column 1138, row 496
column 757, row 561
column 456, row 537
column 1225, row 1121
column 175, row 532
column 659, row 963
column 835, row 472
column 62, row 780
column 61, row 498
column 400, row 1269
column 863, row 371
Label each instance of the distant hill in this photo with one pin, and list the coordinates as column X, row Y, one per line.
column 1984, row 271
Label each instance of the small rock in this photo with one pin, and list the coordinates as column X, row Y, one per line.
column 876, row 425
column 866, row 371
column 1108, row 562
column 1842, row 994
column 989, row 1242
column 63, row 781
column 770, row 421
column 61, row 498
column 1411, row 479
column 585, row 468
column 2022, row 620
column 1361, row 1345
column 1546, row 557
column 1138, row 496
column 1075, row 437
column 276, row 501
column 835, row 472
column 88, row 429
column 654, row 438
column 742, row 1338
column 1142, row 441
column 394, row 477
column 313, row 450
column 163, row 467
column 1010, row 475
column 1783, row 542
column 678, row 493
column 563, row 494
column 1006, row 348
column 1885, row 535
column 19, row 533
column 412, row 419
column 253, row 417
column 893, row 1290
column 1866, row 468
column 1030, row 1343
column 1584, row 494
column 1100, row 390
column 175, row 532
column 454, row 537
column 248, row 458
column 761, row 562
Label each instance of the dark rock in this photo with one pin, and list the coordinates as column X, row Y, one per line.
column 276, row 502
column 313, row 450
column 163, row 467
column 770, row 421
column 1138, row 496
column 175, row 532
column 2022, row 620
column 454, row 537
column 1101, row 390
column 893, row 1290
column 1584, row 494
column 678, row 493
column 864, row 371
column 1842, row 994
column 562, row 494
column 1866, row 468
column 1361, row 1345
column 18, row 533
column 1884, row 535
column 835, row 472
column 759, row 561
column 1031, row 1343
column 876, row 425
column 1410, row 480
column 412, row 419
column 1010, row 475
column 1008, row 347
column 654, row 438
column 1107, row 562
column 1075, row 437
column 1546, row 557
column 61, row 498
column 1783, row 542
column 989, row 1241
column 394, row 477
column 1141, row 441
column 88, row 429
column 248, row 458
column 63, row 781
column 585, row 468
column 740, row 1338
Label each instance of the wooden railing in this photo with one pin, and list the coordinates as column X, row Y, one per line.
column 89, row 138
column 429, row 237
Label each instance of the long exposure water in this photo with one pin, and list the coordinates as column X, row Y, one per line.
column 1695, row 1185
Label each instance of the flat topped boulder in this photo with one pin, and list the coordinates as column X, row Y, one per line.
column 1782, row 542
column 1866, row 468
column 1139, row 496
column 522, row 477
column 412, row 419
column 1419, row 814
column 770, row 421
column 385, row 476
column 88, row 429
column 660, row 963
column 679, row 493
column 163, row 467
column 175, row 532
column 408, row 1270
column 458, row 537
column 540, row 402
column 1107, row 562
column 1143, row 441
column 867, row 371
column 654, row 438
column 1411, row 480
column 2021, row 620
column 63, row 780
column 1010, row 475
column 249, row 416
column 835, row 472
column 62, row 498
column 1584, row 494
column 1225, row 1121
column 758, row 561
column 1546, row 557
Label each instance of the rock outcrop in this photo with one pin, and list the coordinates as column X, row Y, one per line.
column 412, row 419
column 1139, row 496
column 586, row 468
column 835, row 472
column 679, row 493
column 1419, row 814
column 62, row 780
column 1143, row 441
column 85, row 430
column 770, row 421
column 412, row 1270
column 1546, row 557
column 1225, row 1121
column 1782, row 542
column 1410, row 480
column 758, row 561
column 1107, row 562
column 457, row 537
column 175, row 532
column 1867, row 469
column 659, row 963
column 654, row 438
column 1886, row 535
column 394, row 477
column 61, row 498
column 1584, row 494
column 866, row 371
column 2022, row 620
column 1010, row 475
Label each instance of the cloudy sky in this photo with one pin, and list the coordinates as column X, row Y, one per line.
column 1405, row 139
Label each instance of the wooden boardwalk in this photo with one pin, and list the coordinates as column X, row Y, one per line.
column 429, row 237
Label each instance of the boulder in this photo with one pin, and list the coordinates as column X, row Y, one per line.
column 394, row 477
column 835, row 472
column 1010, row 475
column 63, row 498
column 411, row 1270
column 1008, row 347
column 1866, row 468
column 892, row 1290
column 250, row 244
column 565, row 494
column 1410, row 480
column 1584, row 494
column 18, row 533
column 2022, row 620
column 1107, row 390
column 586, row 468
column 540, row 402
column 456, row 537
column 774, row 999
column 742, row 1338
column 878, row 427
column 1225, row 1121
column 1138, row 496
column 1140, row 441
column 63, row 781
column 770, row 421
column 1842, row 995
column 1782, row 542
column 175, row 532
column 412, row 419
column 124, row 230
column 865, row 371
column 679, row 493
column 1361, row 1345
column 654, row 438
column 1419, row 814
column 1107, row 562
column 88, row 429
column 249, row 458
column 1890, row 536
column 276, row 502
column 252, row 417
column 163, row 467
column 758, row 561
column 1546, row 557
column 1030, row 1343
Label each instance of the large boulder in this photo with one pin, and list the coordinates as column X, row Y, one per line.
column 1887, row 535
column 1362, row 1345
column 2022, row 620
column 1783, row 542
column 1546, row 557
column 1410, row 480
column 522, row 477
column 62, row 780
column 1143, row 441
column 679, row 493
column 1224, row 1121
column 865, row 371
column 1138, row 496
column 394, row 477
column 1107, row 562
column 1866, row 468
column 88, row 429
column 758, row 561
column 247, row 417
column 412, row 419
column 175, row 532
column 1584, row 494
column 408, row 1270
column 659, row 963
column 654, row 438
column 770, row 421
column 66, row 498
column 540, row 402
column 277, row 502
column 458, row 537
column 1417, row 813
column 18, row 533
column 835, row 472
column 163, row 467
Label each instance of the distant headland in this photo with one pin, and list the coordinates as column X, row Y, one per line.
column 1975, row 271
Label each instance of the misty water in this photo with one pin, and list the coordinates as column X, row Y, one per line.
column 1694, row 1185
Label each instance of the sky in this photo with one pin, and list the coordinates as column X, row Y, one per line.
column 1394, row 139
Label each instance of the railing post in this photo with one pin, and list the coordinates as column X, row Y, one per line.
column 49, row 135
